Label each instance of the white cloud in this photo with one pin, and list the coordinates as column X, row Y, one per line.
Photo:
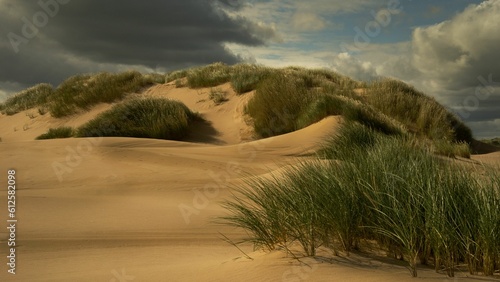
column 353, row 67
column 3, row 95
column 275, row 56
column 454, row 53
column 308, row 22
column 336, row 6
column 292, row 16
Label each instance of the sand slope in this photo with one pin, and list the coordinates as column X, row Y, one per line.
column 125, row 209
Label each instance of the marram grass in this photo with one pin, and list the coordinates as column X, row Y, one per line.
column 367, row 185
column 142, row 118
column 59, row 132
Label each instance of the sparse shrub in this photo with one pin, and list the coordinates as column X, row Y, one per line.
column 30, row 115
column 143, row 118
column 54, row 133
column 42, row 111
column 217, row 95
column 179, row 83
column 10, row 112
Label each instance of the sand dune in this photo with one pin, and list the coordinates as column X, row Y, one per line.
column 126, row 209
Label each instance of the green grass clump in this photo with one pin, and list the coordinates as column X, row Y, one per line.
column 370, row 186
column 452, row 149
column 294, row 98
column 143, row 118
column 157, row 78
column 417, row 111
column 246, row 78
column 324, row 77
column 351, row 138
column 81, row 92
column 277, row 104
column 37, row 95
column 209, row 76
column 316, row 106
column 60, row 132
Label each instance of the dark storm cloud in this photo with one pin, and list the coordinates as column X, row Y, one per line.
column 92, row 35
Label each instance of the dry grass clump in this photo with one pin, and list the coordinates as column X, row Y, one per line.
column 217, row 95
column 209, row 76
column 59, row 132
column 38, row 95
column 143, row 118
column 157, row 78
column 385, row 189
column 81, row 92
column 324, row 77
column 451, row 149
column 293, row 98
column 245, row 78
column 277, row 104
column 176, row 75
column 287, row 102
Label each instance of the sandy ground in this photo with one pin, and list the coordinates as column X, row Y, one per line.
column 125, row 209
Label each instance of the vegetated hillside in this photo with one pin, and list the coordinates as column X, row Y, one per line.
column 285, row 100
column 78, row 93
column 366, row 186
column 376, row 182
column 493, row 141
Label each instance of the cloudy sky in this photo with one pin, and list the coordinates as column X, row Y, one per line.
column 447, row 48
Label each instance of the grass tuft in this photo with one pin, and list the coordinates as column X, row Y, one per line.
column 371, row 186
column 81, row 92
column 245, row 78
column 416, row 111
column 217, row 95
column 209, row 76
column 143, row 118
column 38, row 95
column 54, row 133
column 277, row 104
